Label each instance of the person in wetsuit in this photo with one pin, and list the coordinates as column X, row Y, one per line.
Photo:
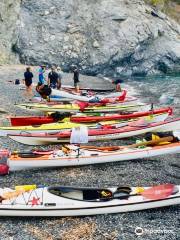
column 76, row 78
column 41, row 80
column 53, row 79
column 117, row 82
column 28, row 76
column 41, row 75
column 60, row 74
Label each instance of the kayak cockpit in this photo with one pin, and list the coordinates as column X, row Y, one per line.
column 90, row 194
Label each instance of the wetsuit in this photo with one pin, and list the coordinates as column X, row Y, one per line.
column 76, row 77
column 54, row 79
column 28, row 78
column 41, row 77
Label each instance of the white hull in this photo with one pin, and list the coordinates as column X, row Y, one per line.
column 53, row 205
column 90, row 157
column 58, row 212
column 4, row 133
column 43, row 140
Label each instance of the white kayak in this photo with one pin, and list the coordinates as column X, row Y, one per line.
column 56, row 99
column 53, row 98
column 96, row 134
column 72, row 155
column 94, row 89
column 75, row 201
column 97, row 97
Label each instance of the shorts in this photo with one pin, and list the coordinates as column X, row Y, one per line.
column 28, row 83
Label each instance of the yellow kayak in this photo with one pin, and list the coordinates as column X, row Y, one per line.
column 48, row 128
column 74, row 108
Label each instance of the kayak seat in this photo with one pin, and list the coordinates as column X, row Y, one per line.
column 122, row 192
column 90, row 195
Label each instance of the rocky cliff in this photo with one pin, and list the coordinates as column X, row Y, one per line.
column 100, row 36
column 9, row 14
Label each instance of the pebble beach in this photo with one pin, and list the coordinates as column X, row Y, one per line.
column 163, row 223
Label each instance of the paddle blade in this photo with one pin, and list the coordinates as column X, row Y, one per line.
column 158, row 192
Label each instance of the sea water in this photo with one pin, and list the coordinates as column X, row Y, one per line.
column 160, row 90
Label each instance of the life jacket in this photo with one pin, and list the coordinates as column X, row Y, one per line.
column 158, row 135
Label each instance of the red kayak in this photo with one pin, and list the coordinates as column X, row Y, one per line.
column 107, row 132
column 36, row 120
column 93, row 119
column 30, row 120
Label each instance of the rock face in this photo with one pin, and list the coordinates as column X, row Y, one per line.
column 9, row 14
column 113, row 37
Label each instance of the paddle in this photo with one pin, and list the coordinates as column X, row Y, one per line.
column 158, row 192
column 114, row 148
column 153, row 193
column 34, row 152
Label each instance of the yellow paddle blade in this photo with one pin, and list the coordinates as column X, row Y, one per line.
column 26, row 188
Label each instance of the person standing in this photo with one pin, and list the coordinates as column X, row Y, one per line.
column 41, row 80
column 53, row 79
column 76, row 79
column 41, row 75
column 28, row 76
column 118, row 82
column 60, row 74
